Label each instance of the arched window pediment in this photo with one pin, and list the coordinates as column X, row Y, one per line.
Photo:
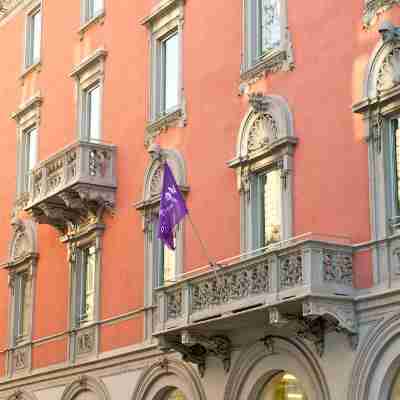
column 267, row 126
column 23, row 242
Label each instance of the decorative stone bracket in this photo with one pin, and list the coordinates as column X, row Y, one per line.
column 196, row 348
column 318, row 317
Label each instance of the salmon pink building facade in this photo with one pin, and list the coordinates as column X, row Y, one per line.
column 280, row 122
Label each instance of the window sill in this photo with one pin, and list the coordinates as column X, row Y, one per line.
column 36, row 67
column 177, row 117
column 97, row 19
column 275, row 60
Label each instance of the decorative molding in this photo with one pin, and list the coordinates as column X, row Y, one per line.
column 338, row 267
column 97, row 57
column 374, row 8
column 175, row 118
column 174, row 304
column 255, row 366
column 281, row 60
column 382, row 339
column 89, row 383
column 230, row 286
column 160, row 374
column 291, row 270
column 85, row 341
column 7, row 6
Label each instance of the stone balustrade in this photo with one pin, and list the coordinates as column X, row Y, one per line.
column 73, row 184
column 282, row 273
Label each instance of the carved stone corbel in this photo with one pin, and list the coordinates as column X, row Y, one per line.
column 338, row 317
column 196, row 348
column 313, row 330
column 269, row 344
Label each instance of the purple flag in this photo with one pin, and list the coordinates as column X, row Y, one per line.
column 172, row 208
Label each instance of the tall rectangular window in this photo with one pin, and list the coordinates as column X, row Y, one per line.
column 92, row 9
column 33, row 37
column 86, row 275
column 266, row 38
column 92, row 113
column 30, row 143
column 169, row 73
column 266, row 208
column 22, row 299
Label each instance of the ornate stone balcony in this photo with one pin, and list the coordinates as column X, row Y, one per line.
column 73, row 186
column 304, row 284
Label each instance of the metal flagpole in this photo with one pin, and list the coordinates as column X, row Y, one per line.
column 211, row 262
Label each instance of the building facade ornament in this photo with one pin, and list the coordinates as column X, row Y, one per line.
column 196, row 348
column 373, row 8
column 229, row 286
column 338, row 267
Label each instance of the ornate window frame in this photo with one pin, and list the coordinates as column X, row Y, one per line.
column 379, row 105
column 27, row 117
column 167, row 17
column 254, row 63
column 256, row 152
column 23, row 258
column 148, row 207
column 84, row 335
column 88, row 74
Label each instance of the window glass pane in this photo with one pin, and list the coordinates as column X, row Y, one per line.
column 93, row 105
column 272, row 207
column 97, row 6
column 36, row 35
column 31, row 139
column 88, row 284
column 171, row 72
column 396, row 156
column 169, row 265
column 26, row 305
column 270, row 24
column 29, row 154
column 283, row 386
column 22, row 306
